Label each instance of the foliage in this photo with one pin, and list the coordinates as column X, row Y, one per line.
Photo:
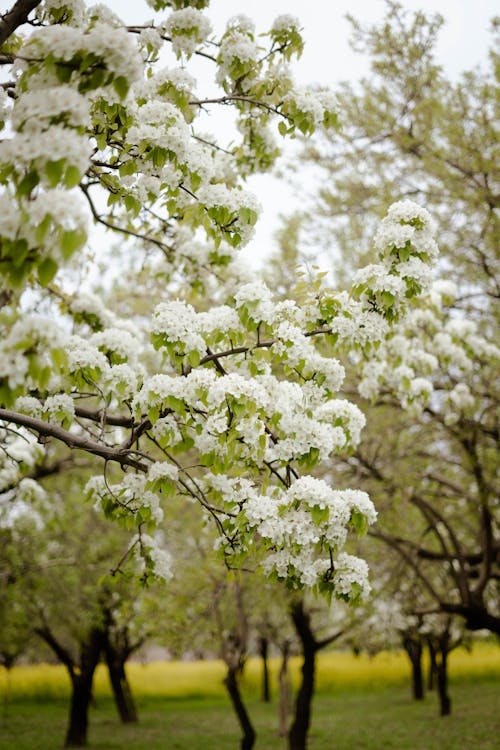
column 211, row 390
column 431, row 467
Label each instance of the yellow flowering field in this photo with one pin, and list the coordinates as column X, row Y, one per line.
column 179, row 679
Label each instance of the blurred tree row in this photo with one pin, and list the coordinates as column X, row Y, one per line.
column 409, row 131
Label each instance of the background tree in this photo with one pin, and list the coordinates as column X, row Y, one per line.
column 431, row 469
column 64, row 551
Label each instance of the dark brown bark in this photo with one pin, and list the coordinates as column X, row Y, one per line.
column 81, row 695
column 81, row 680
column 81, row 676
column 124, row 700
column 297, row 737
column 432, row 665
column 72, row 440
column 284, row 689
column 442, row 683
column 476, row 616
column 443, row 645
column 231, row 683
column 15, row 17
column 413, row 647
column 117, row 650
column 264, row 653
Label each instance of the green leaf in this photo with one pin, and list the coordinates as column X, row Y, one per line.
column 54, row 171
column 72, row 176
column 63, row 72
column 388, row 299
column 28, row 182
column 71, row 241
column 359, row 522
column 46, row 271
column 319, row 515
column 120, row 85
column 128, row 168
column 20, row 250
column 282, row 127
column 194, row 358
column 42, row 229
column 404, row 253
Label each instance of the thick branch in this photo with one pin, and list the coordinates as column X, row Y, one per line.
column 64, row 656
column 72, row 440
column 395, row 544
column 476, row 618
column 259, row 345
column 329, row 639
column 102, row 417
column 16, row 17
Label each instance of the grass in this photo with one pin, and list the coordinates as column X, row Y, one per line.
column 361, row 703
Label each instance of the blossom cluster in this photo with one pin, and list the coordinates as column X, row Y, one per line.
column 406, row 247
column 428, row 341
column 251, row 388
column 225, row 397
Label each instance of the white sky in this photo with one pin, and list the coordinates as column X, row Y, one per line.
column 328, row 59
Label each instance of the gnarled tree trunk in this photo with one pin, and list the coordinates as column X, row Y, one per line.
column 121, row 688
column 442, row 683
column 264, row 652
column 81, row 695
column 81, row 676
column 284, row 690
column 413, row 646
column 231, row 683
column 117, row 650
column 297, row 736
column 431, row 679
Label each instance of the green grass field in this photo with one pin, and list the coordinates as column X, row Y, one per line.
column 361, row 704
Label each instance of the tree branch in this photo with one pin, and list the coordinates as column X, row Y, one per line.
column 62, row 654
column 118, row 455
column 15, row 17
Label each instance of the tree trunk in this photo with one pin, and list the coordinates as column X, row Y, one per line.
column 297, row 737
column 413, row 647
column 81, row 682
column 81, row 675
column 432, row 666
column 81, row 694
column 8, row 690
column 442, row 682
column 122, row 693
column 284, row 690
column 264, row 649
column 231, row 683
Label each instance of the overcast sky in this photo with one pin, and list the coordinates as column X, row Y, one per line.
column 328, row 59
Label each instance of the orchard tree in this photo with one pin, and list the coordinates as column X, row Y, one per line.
column 229, row 407
column 209, row 613
column 431, row 467
column 62, row 550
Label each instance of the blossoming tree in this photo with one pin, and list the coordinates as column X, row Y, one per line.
column 229, row 406
column 431, row 468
